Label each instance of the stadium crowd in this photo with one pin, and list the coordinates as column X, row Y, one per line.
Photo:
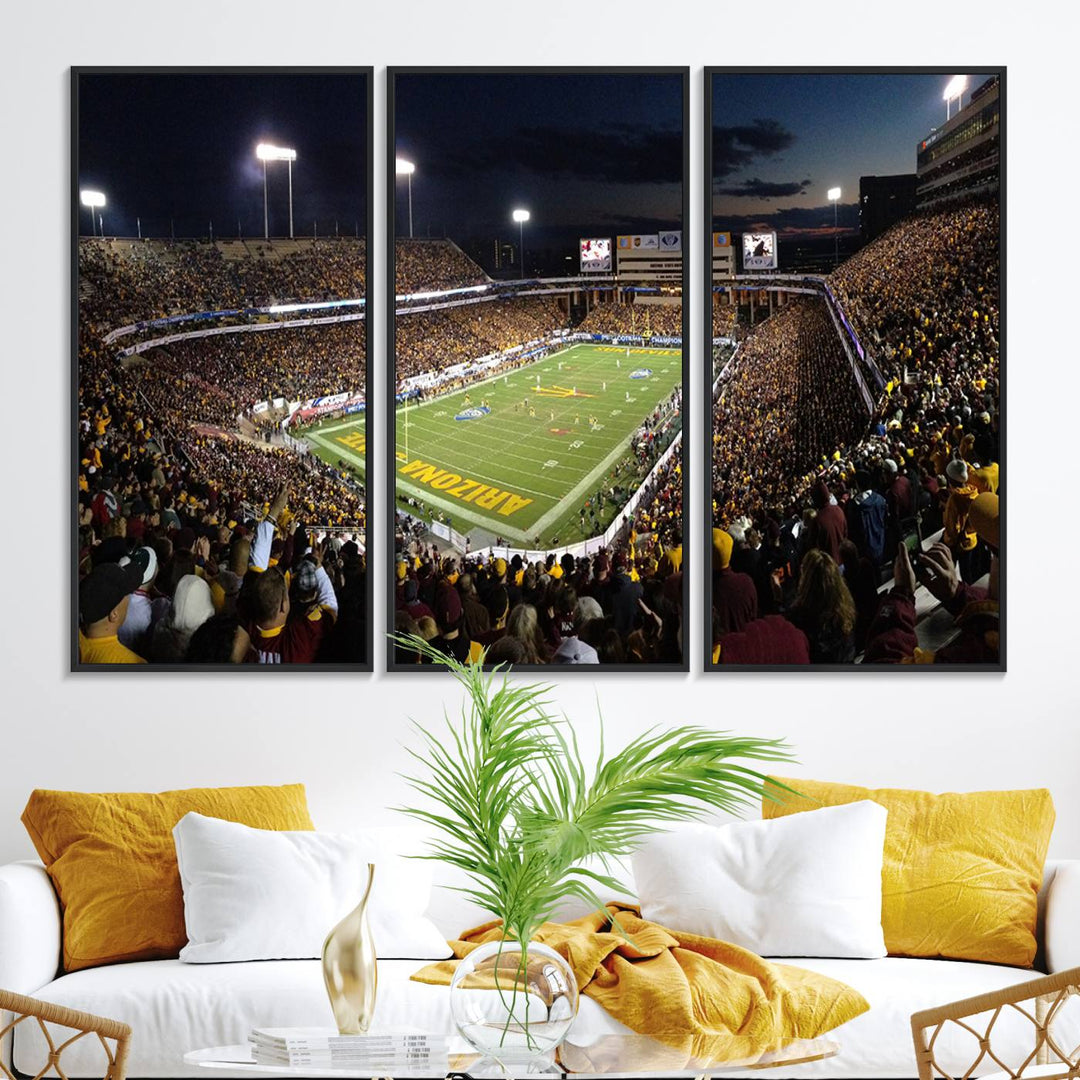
column 724, row 320
column 430, row 341
column 125, row 281
column 432, row 266
column 168, row 486
column 609, row 608
column 181, row 582
column 213, row 379
column 816, row 504
column 664, row 320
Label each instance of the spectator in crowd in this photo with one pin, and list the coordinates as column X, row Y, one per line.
column 191, row 606
column 171, row 455
column 735, row 598
column 796, row 453
column 104, row 596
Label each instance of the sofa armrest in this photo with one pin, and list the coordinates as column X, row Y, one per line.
column 29, row 928
column 1063, row 917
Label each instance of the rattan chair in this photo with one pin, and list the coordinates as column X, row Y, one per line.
column 83, row 1024
column 1039, row 1001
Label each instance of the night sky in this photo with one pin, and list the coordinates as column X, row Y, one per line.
column 587, row 155
column 182, row 147
column 781, row 141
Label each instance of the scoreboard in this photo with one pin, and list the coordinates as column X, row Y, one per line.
column 759, row 251
column 596, row 255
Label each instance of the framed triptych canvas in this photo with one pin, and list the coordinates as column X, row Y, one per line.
column 221, row 367
column 536, row 362
column 854, row 369
column 537, row 332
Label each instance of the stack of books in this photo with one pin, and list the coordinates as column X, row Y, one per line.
column 399, row 1050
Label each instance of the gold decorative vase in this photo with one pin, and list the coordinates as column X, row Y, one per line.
column 350, row 970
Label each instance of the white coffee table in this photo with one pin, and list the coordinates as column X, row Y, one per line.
column 614, row 1056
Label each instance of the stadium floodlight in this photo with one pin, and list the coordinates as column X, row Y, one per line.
column 93, row 200
column 406, row 168
column 521, row 216
column 834, row 197
column 954, row 89
column 268, row 152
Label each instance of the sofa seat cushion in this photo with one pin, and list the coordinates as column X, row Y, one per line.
column 175, row 1007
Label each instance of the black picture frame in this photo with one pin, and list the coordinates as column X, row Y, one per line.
column 389, row 508
column 706, row 331
column 367, row 72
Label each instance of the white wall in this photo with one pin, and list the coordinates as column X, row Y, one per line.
column 341, row 735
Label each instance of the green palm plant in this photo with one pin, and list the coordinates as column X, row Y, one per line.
column 517, row 809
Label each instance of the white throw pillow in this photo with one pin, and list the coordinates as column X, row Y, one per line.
column 804, row 885
column 259, row 894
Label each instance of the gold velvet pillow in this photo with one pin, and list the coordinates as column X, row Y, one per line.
column 961, row 872
column 113, row 864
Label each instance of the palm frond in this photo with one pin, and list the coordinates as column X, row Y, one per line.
column 514, row 806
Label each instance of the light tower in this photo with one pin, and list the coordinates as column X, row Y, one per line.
column 521, row 216
column 406, row 169
column 266, row 152
column 834, row 198
column 954, row 91
column 94, row 200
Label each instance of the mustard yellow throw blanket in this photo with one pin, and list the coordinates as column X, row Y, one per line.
column 706, row 998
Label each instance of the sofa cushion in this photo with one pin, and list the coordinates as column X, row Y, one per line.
column 112, row 860
column 961, row 872
column 805, row 885
column 272, row 894
column 175, row 1007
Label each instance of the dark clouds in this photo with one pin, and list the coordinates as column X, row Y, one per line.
column 615, row 154
column 792, row 220
column 736, row 147
column 764, row 189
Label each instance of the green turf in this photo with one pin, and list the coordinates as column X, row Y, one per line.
column 343, row 440
column 534, row 473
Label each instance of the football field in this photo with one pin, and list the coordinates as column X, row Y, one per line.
column 338, row 441
column 518, row 456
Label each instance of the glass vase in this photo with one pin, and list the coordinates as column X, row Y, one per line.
column 514, row 1004
column 350, row 970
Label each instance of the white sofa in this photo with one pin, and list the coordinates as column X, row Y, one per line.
column 175, row 1007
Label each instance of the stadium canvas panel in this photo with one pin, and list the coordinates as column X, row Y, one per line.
column 220, row 365
column 855, row 486
column 537, row 337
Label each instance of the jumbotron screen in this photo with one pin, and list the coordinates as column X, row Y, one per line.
column 759, row 251
column 596, row 255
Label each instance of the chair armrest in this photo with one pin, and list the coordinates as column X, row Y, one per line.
column 1063, row 917
column 22, row 1009
column 29, row 928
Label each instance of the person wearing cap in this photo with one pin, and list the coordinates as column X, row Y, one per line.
column 957, row 533
column 140, row 606
column 829, row 530
column 191, row 607
column 448, row 614
column 411, row 602
column 899, row 497
column 734, row 595
column 103, row 604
